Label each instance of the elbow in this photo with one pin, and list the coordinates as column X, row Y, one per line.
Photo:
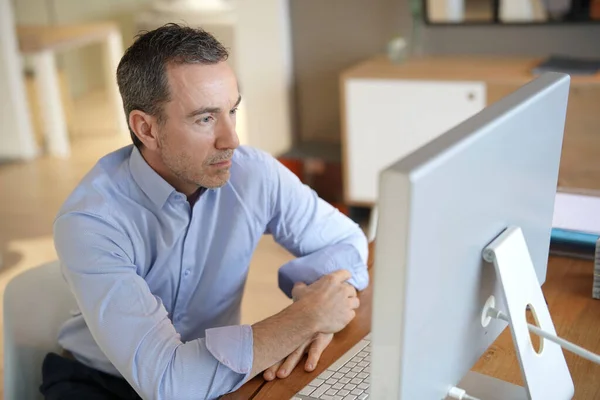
column 353, row 255
column 193, row 373
column 359, row 242
column 165, row 380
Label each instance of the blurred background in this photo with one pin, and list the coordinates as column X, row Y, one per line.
column 335, row 89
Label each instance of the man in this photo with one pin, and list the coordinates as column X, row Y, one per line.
column 156, row 240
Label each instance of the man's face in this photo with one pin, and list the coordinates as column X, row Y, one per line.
column 198, row 136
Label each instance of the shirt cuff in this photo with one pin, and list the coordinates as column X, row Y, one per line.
column 232, row 346
column 312, row 267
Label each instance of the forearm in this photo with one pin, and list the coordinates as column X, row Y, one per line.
column 278, row 336
column 322, row 239
column 350, row 255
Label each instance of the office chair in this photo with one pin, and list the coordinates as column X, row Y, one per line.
column 36, row 303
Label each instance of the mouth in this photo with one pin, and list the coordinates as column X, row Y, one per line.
column 222, row 164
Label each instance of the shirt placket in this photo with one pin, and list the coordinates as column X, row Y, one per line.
column 187, row 262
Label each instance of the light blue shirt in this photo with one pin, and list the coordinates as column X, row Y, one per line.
column 159, row 284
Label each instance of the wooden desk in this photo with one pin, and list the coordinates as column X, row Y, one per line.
column 575, row 314
column 42, row 43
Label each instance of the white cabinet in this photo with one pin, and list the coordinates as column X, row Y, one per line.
column 387, row 119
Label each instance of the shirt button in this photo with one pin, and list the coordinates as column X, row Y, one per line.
column 187, row 272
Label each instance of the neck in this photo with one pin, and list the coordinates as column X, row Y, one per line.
column 156, row 163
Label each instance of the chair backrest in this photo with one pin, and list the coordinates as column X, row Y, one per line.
column 36, row 303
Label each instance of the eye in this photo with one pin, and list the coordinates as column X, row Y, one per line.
column 205, row 120
column 234, row 111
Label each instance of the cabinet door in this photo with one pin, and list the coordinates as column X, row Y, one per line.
column 386, row 120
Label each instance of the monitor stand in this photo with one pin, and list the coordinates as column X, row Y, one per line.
column 545, row 374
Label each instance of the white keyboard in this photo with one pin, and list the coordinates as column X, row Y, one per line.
column 346, row 379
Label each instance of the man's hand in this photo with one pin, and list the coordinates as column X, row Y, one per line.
column 314, row 347
column 331, row 301
column 325, row 306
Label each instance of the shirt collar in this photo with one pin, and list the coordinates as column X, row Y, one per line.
column 155, row 187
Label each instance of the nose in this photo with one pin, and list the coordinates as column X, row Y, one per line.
column 227, row 137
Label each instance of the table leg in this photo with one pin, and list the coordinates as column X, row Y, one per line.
column 49, row 99
column 113, row 51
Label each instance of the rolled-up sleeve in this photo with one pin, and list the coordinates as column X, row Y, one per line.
column 323, row 239
column 232, row 346
column 131, row 325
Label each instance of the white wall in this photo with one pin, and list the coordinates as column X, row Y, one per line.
column 446, row 10
column 16, row 134
column 264, row 64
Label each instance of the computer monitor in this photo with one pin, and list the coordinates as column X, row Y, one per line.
column 438, row 209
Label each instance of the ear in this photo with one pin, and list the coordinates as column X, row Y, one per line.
column 145, row 127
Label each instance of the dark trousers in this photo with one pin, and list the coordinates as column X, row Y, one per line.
column 64, row 378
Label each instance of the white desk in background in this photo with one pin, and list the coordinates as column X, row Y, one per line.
column 42, row 43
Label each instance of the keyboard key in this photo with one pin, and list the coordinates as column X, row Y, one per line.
column 351, row 375
column 321, row 390
column 363, row 364
column 350, row 386
column 363, row 354
column 326, row 374
column 350, row 397
column 357, row 359
column 331, row 381
column 363, row 386
column 338, row 397
column 344, row 370
column 363, row 396
column 357, row 348
column 358, row 370
column 331, row 392
column 307, row 390
column 345, row 380
column 362, row 375
column 343, row 392
column 337, row 386
column 357, row 392
column 356, row 381
column 350, row 364
column 337, row 375
column 316, row 382
column 326, row 397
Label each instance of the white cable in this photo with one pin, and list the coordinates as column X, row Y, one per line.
column 460, row 394
column 580, row 351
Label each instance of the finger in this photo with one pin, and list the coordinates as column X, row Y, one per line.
column 316, row 350
column 351, row 290
column 270, row 372
column 298, row 289
column 291, row 361
column 354, row 303
column 299, row 286
column 341, row 275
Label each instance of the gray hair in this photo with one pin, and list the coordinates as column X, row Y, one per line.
column 141, row 74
